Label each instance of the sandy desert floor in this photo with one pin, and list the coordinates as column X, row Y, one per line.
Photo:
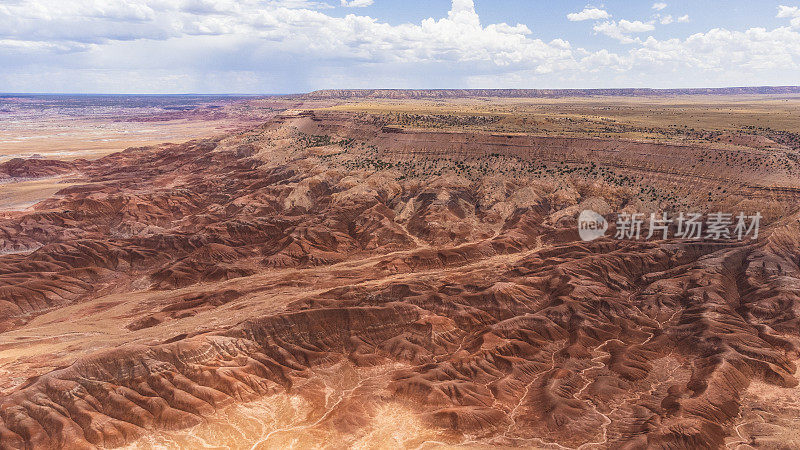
column 73, row 127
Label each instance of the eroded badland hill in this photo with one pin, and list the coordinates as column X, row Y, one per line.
column 408, row 273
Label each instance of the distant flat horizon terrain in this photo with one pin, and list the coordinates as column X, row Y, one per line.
column 422, row 92
column 69, row 126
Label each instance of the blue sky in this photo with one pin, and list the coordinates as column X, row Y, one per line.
column 287, row 46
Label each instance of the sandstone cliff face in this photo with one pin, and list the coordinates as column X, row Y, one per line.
column 237, row 270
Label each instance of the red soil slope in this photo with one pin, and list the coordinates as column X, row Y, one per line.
column 229, row 271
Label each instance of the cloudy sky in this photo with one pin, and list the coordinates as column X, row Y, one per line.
column 288, row 46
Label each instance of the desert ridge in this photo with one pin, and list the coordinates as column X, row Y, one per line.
column 361, row 272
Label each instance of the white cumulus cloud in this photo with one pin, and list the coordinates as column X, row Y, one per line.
column 357, row 3
column 668, row 19
column 790, row 12
column 621, row 30
column 589, row 13
column 659, row 6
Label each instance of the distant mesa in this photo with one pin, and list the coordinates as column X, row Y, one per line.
column 539, row 93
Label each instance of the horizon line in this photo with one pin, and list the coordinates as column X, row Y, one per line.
column 213, row 94
column 235, row 94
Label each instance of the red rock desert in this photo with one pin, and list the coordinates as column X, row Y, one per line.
column 417, row 225
column 377, row 272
